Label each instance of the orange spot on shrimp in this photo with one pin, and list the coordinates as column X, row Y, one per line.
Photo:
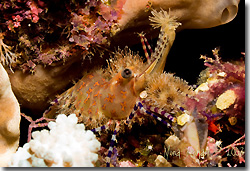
column 81, row 86
column 123, row 94
column 96, row 111
column 103, row 82
column 85, row 101
column 89, row 90
column 94, row 103
column 77, row 104
column 110, row 98
column 104, row 106
column 123, row 105
column 97, row 94
column 89, row 111
column 96, row 84
column 90, row 76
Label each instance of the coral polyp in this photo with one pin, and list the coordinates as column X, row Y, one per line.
column 168, row 91
column 159, row 18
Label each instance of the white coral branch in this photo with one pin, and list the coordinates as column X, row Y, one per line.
column 67, row 144
column 7, row 57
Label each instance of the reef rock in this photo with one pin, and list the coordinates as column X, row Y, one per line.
column 192, row 14
column 34, row 91
column 9, row 119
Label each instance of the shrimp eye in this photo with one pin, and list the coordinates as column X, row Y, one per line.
column 126, row 73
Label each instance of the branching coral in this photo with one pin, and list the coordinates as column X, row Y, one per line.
column 67, row 144
column 7, row 57
column 215, row 152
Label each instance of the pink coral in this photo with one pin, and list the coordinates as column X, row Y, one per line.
column 34, row 26
column 221, row 77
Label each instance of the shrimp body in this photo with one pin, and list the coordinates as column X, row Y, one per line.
column 119, row 96
column 96, row 97
column 101, row 95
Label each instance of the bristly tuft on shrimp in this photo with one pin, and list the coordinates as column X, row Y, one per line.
column 123, row 59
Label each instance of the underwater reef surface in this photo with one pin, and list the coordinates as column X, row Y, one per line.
column 160, row 102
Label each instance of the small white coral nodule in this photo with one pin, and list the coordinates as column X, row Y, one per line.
column 67, row 144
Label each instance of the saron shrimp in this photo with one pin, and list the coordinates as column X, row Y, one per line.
column 111, row 95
